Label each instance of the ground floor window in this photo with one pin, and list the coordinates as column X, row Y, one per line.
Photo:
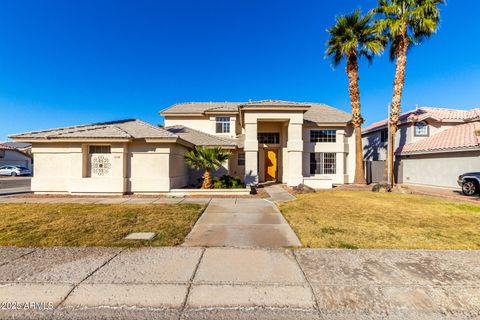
column 241, row 159
column 323, row 163
column 99, row 161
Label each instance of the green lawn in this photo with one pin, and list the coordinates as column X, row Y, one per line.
column 363, row 219
column 94, row 224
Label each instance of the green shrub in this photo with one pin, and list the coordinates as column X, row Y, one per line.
column 227, row 182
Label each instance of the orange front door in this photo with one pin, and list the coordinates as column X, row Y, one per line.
column 271, row 157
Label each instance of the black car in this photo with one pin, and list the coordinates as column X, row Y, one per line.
column 470, row 183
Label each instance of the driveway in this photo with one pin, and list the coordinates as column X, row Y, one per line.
column 226, row 283
column 239, row 222
column 12, row 185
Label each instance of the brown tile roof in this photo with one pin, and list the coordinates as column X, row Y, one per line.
column 316, row 113
column 321, row 113
column 200, row 107
column 122, row 129
column 199, row 138
column 459, row 137
column 423, row 113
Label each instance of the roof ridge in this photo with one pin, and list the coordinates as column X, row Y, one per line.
column 146, row 124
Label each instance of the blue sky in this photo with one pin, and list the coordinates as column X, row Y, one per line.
column 73, row 62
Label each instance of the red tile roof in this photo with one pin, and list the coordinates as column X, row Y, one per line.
column 5, row 147
column 463, row 136
column 423, row 113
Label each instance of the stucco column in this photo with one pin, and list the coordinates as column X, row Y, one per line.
column 295, row 152
column 251, row 153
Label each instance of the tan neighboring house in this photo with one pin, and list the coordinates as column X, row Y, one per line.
column 14, row 157
column 433, row 145
column 269, row 140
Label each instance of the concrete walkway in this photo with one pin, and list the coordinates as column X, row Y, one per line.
column 110, row 200
column 227, row 283
column 242, row 223
column 278, row 194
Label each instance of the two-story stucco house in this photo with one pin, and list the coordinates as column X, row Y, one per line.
column 433, row 145
column 270, row 140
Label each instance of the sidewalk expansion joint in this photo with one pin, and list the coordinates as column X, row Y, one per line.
column 89, row 275
column 19, row 257
column 315, row 300
column 190, row 284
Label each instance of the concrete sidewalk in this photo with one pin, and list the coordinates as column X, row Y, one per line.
column 226, row 283
column 105, row 200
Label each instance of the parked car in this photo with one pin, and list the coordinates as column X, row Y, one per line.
column 14, row 171
column 470, row 183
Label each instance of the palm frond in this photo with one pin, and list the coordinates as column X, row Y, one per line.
column 354, row 35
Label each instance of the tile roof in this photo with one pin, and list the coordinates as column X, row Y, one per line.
column 423, row 113
column 321, row 113
column 271, row 102
column 18, row 145
column 6, row 147
column 200, row 107
column 317, row 113
column 122, row 129
column 463, row 136
column 199, row 138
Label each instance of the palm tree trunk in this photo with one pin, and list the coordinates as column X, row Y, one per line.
column 207, row 180
column 401, row 65
column 354, row 90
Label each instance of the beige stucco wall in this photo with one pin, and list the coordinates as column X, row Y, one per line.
column 439, row 169
column 137, row 167
column 205, row 124
column 61, row 167
column 15, row 158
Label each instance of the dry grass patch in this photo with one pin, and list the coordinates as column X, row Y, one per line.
column 94, row 224
column 359, row 219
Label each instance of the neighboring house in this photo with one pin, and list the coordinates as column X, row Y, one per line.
column 12, row 156
column 269, row 140
column 433, row 145
column 21, row 146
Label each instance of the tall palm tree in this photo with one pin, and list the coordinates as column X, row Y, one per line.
column 202, row 158
column 406, row 23
column 352, row 37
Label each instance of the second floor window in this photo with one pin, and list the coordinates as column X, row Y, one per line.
column 323, row 135
column 384, row 136
column 421, row 129
column 222, row 125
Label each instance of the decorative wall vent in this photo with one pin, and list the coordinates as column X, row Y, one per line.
column 100, row 165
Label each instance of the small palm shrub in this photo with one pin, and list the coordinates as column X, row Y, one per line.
column 228, row 182
column 202, row 158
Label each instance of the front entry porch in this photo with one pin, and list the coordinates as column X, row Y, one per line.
column 273, row 147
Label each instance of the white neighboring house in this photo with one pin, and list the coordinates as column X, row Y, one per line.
column 269, row 140
column 433, row 145
column 14, row 157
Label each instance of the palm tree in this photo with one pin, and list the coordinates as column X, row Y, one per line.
column 352, row 37
column 202, row 158
column 406, row 23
